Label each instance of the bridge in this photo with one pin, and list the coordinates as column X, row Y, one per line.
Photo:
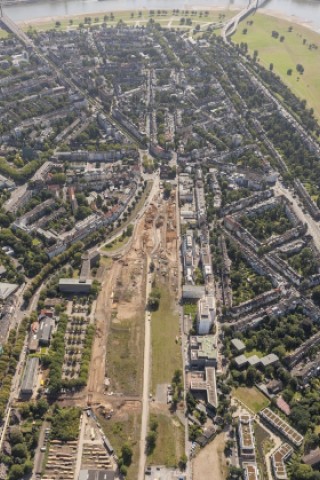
column 232, row 25
column 9, row 25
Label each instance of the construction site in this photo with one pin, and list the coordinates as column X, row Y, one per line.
column 115, row 384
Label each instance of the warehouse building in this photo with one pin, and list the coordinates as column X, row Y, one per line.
column 73, row 285
column 29, row 380
column 7, row 289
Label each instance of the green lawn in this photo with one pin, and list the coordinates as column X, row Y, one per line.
column 3, row 33
column 124, row 360
column 254, row 352
column 251, row 397
column 170, row 441
column 286, row 54
column 166, row 351
column 116, row 244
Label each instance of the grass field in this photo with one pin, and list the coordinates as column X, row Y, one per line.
column 287, row 54
column 170, row 441
column 251, row 397
column 253, row 352
column 124, row 362
column 3, row 33
column 166, row 352
column 116, row 244
column 124, row 430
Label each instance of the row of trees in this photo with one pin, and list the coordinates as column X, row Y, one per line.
column 9, row 360
column 50, row 267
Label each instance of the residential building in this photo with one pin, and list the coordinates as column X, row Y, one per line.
column 278, row 459
column 206, row 314
column 246, row 437
column 238, row 345
column 282, row 427
column 251, row 471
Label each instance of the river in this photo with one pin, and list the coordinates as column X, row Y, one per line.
column 307, row 11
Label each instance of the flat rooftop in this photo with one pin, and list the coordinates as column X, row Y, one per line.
column 203, row 347
column 74, row 281
column 206, row 382
column 7, row 289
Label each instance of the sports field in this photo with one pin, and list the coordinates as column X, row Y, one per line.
column 299, row 46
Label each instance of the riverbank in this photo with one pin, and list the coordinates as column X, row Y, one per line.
column 293, row 44
column 126, row 15
column 167, row 19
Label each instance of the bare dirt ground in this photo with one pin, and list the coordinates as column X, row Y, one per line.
column 211, row 462
column 103, row 309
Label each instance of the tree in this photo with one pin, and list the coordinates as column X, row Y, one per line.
column 15, row 435
column 251, row 376
column 316, row 295
column 123, row 470
column 300, row 68
column 300, row 418
column 16, row 472
column 183, row 462
column 40, row 408
column 19, row 451
column 126, row 454
column 151, row 442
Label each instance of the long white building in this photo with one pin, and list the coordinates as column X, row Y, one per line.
column 206, row 314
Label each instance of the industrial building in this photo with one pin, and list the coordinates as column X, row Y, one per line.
column 29, row 377
column 74, row 285
column 7, row 289
column 192, row 293
column 45, row 330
